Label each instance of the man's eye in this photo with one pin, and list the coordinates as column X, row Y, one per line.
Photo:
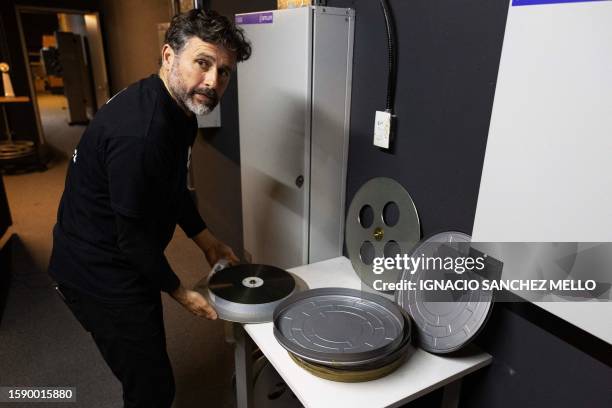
column 203, row 63
column 225, row 73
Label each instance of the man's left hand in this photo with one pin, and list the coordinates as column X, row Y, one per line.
column 218, row 250
column 213, row 249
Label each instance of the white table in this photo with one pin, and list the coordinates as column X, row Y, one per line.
column 421, row 373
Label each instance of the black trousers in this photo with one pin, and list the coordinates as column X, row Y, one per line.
column 132, row 341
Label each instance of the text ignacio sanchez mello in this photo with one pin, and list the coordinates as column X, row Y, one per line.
column 459, row 265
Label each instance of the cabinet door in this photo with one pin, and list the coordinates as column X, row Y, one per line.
column 274, row 110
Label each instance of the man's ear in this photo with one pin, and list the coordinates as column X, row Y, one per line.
column 167, row 57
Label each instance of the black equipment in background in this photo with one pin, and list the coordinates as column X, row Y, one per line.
column 77, row 81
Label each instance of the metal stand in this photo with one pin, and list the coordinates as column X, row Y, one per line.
column 243, row 360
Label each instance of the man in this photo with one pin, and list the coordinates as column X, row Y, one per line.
column 125, row 193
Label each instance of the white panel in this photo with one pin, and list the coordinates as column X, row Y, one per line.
column 210, row 120
column 547, row 172
column 331, row 96
column 273, row 95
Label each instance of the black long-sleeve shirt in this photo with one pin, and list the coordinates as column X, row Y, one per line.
column 125, row 193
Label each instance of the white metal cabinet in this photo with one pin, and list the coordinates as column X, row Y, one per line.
column 294, row 104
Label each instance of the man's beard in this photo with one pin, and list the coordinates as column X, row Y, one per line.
column 185, row 96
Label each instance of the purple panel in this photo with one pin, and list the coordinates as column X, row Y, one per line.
column 536, row 2
column 255, row 18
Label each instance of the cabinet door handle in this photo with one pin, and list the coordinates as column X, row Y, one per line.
column 299, row 181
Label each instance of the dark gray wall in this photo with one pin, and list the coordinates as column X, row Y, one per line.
column 448, row 54
column 539, row 361
column 448, row 61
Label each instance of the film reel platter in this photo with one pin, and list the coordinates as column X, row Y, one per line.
column 344, row 332
column 338, row 326
column 248, row 293
column 15, row 149
column 382, row 221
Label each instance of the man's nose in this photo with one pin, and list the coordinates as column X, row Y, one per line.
column 211, row 78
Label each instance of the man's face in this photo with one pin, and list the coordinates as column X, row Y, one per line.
column 199, row 74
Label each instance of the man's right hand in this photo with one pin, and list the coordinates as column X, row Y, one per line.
column 194, row 302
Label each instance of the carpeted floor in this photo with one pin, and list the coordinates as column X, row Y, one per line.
column 42, row 344
column 54, row 120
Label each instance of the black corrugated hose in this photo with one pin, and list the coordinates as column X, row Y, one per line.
column 392, row 78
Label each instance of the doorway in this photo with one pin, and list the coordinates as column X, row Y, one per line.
column 66, row 70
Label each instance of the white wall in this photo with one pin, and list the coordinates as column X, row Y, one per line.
column 547, row 173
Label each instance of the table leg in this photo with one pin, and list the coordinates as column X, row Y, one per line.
column 451, row 394
column 243, row 361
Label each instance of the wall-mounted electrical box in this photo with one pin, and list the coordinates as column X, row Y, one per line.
column 294, row 104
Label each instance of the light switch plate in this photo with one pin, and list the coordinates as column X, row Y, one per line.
column 382, row 129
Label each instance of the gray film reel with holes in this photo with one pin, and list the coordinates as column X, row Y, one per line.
column 444, row 324
column 365, row 240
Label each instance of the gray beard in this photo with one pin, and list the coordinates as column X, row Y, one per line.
column 197, row 108
column 176, row 85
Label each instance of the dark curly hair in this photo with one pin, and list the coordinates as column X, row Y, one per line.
column 209, row 26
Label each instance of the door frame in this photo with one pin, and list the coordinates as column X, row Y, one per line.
column 19, row 9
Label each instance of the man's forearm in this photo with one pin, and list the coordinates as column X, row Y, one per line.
column 190, row 220
column 204, row 239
